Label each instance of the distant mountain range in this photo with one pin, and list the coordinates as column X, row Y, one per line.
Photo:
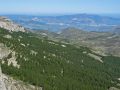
column 87, row 22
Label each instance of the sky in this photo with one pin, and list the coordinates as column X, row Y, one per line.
column 59, row 6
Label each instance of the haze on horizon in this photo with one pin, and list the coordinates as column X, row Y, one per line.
column 59, row 6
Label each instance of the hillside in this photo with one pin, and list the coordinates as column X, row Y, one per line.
column 9, row 83
column 104, row 43
column 57, row 66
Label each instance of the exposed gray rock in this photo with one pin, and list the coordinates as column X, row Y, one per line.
column 13, row 61
column 8, row 83
column 95, row 57
column 2, row 84
column 8, row 36
column 9, row 25
column 113, row 88
column 4, row 52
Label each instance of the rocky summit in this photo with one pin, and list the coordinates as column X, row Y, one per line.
column 9, row 25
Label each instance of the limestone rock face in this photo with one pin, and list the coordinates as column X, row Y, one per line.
column 2, row 84
column 7, row 82
column 4, row 52
column 9, row 25
column 113, row 88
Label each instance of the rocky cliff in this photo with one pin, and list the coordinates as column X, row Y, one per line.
column 7, row 82
column 9, row 25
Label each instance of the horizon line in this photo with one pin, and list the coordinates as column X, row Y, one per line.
column 57, row 14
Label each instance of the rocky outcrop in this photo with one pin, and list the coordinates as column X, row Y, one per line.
column 7, row 82
column 9, row 25
column 2, row 84
column 4, row 52
column 113, row 88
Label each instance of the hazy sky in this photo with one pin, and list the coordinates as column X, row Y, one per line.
column 59, row 6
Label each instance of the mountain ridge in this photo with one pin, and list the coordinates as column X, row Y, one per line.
column 9, row 25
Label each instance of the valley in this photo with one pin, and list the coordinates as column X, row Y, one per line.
column 59, row 45
column 100, row 33
column 48, row 62
column 51, row 65
column 103, row 43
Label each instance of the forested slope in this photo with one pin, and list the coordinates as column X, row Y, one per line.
column 57, row 66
